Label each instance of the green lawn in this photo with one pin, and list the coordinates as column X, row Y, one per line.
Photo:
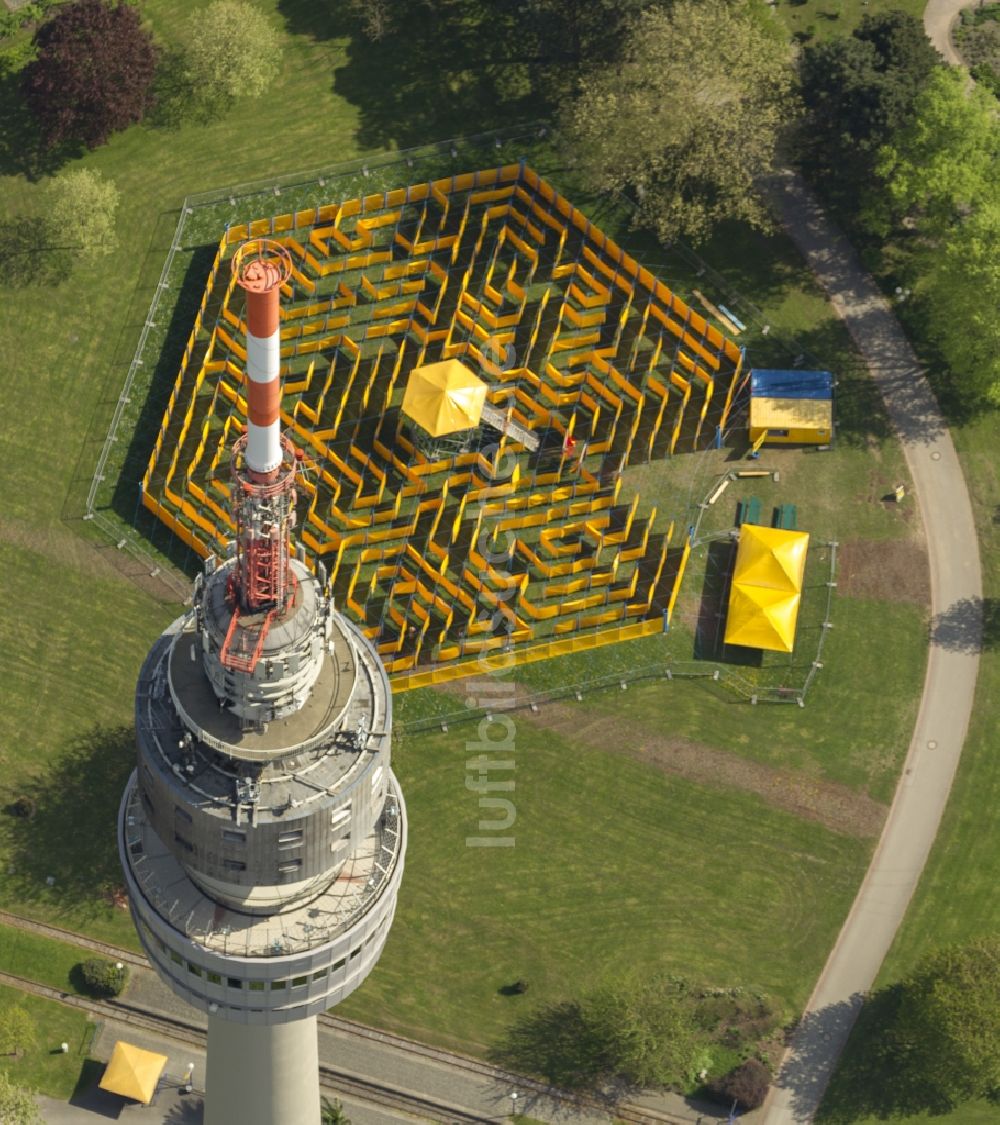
column 828, row 19
column 40, row 959
column 44, row 1068
column 614, row 865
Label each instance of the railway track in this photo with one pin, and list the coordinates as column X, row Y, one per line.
column 189, row 1034
column 340, row 1081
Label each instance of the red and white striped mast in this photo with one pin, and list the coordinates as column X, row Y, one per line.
column 263, row 464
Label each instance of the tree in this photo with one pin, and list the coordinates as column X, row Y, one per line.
column 639, row 1031
column 943, row 162
column 948, row 1023
column 17, row 1032
column 689, row 118
column 17, row 1105
column 80, row 213
column 92, row 74
column 332, row 1113
column 858, row 90
column 232, row 51
column 746, row 1084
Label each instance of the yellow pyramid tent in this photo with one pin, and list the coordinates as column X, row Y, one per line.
column 767, row 588
column 771, row 557
column 762, row 618
column 444, row 398
column 133, row 1072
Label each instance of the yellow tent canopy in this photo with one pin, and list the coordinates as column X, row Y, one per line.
column 444, row 398
column 771, row 557
column 133, row 1072
column 767, row 588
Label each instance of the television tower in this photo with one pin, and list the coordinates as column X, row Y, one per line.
column 263, row 833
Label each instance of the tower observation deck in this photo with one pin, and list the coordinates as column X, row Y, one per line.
column 262, row 834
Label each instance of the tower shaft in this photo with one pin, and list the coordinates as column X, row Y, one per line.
column 262, row 1075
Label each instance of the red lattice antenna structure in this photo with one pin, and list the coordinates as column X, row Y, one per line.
column 263, row 464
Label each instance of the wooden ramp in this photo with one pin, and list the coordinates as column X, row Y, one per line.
column 499, row 420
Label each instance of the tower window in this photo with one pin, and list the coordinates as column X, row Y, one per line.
column 234, row 982
column 182, row 814
column 233, row 836
column 185, row 844
column 290, row 839
column 234, row 865
column 289, row 865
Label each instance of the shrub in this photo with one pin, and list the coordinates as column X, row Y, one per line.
column 102, row 978
column 24, row 807
column 746, row 1084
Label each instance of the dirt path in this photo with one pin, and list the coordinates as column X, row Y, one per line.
column 834, row 806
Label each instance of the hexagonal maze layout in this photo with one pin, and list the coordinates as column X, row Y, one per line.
column 508, row 536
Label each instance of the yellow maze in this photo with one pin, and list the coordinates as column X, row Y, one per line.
column 499, row 555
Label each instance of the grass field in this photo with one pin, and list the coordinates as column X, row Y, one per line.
column 41, row 959
column 44, row 1068
column 829, row 19
column 615, row 861
column 614, row 864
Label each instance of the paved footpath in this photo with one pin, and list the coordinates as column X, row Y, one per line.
column 950, row 682
column 940, row 17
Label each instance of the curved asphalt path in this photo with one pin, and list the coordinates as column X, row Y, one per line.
column 943, row 718
column 940, row 17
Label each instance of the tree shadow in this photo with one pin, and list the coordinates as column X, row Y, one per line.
column 437, row 73
column 875, row 1077
column 191, row 1111
column 126, row 500
column 969, row 625
column 558, row 1043
column 26, row 260
column 176, row 100
column 22, row 150
column 71, row 838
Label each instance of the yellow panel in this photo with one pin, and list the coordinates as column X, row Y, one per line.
column 791, row 414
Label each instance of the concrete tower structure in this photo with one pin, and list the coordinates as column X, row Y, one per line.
column 263, row 833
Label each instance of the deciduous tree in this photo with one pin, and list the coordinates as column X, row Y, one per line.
column 17, row 1032
column 17, row 1105
column 689, row 118
column 945, row 160
column 961, row 292
column 639, row 1031
column 232, row 50
column 92, row 74
column 858, row 90
column 949, row 1017
column 80, row 213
